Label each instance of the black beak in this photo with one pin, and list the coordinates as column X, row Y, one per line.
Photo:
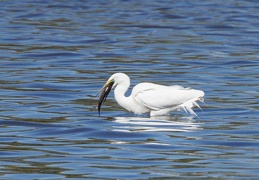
column 105, row 92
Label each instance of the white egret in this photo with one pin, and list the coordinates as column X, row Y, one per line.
column 148, row 97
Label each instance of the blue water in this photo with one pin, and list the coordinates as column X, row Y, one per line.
column 56, row 55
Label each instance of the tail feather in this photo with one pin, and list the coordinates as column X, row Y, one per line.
column 188, row 105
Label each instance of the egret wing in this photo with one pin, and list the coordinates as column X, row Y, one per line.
column 157, row 97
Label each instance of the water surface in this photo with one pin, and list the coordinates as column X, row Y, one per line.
column 55, row 56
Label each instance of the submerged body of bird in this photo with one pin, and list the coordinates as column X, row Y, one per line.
column 149, row 97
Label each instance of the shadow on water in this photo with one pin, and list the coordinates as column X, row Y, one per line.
column 156, row 124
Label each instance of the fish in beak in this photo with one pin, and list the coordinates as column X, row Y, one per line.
column 105, row 92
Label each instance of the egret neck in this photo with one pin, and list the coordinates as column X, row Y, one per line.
column 119, row 94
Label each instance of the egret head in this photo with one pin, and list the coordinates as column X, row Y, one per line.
column 114, row 80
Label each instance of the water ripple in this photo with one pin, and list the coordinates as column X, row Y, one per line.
column 55, row 57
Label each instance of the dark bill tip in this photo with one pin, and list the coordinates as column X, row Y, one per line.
column 105, row 92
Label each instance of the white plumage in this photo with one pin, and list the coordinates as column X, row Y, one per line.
column 148, row 97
